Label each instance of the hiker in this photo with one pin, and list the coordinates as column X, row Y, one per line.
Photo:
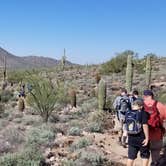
column 134, row 96
column 22, row 90
column 121, row 105
column 138, row 133
column 157, row 112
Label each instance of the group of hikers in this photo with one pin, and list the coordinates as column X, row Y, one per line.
column 141, row 125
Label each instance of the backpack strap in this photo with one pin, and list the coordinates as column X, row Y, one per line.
column 160, row 123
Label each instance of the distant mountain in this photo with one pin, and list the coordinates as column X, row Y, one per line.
column 15, row 62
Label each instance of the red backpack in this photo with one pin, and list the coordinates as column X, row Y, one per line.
column 154, row 116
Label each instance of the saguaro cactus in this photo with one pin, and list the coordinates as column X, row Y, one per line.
column 101, row 95
column 63, row 60
column 148, row 71
column 129, row 73
column 73, row 98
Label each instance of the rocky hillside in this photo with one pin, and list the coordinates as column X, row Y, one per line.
column 26, row 62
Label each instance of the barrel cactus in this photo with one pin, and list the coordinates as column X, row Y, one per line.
column 73, row 98
column 21, row 104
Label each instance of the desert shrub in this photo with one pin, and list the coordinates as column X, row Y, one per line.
column 89, row 105
column 95, row 127
column 46, row 97
column 5, row 96
column 16, row 76
column 139, row 65
column 31, row 120
column 40, row 136
column 13, row 136
column 3, row 123
column 67, row 162
column 91, row 158
column 77, row 123
column 54, row 118
column 81, row 143
column 74, row 131
column 29, row 157
column 2, row 109
column 17, row 120
column 117, row 64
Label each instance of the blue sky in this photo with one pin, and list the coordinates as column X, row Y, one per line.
column 92, row 31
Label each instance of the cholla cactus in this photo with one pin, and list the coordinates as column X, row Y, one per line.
column 21, row 104
column 129, row 73
column 148, row 71
column 73, row 98
column 101, row 95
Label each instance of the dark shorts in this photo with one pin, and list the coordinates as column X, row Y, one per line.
column 133, row 151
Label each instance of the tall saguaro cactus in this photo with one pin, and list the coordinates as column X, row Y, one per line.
column 148, row 71
column 63, row 60
column 101, row 95
column 129, row 73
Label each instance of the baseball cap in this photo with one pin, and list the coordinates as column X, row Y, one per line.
column 148, row 93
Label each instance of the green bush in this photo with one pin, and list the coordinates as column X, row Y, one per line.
column 2, row 109
column 13, row 136
column 116, row 64
column 74, row 131
column 29, row 157
column 5, row 96
column 40, row 136
column 92, row 158
column 95, row 127
column 16, row 76
column 81, row 143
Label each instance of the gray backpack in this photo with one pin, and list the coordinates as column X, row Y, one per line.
column 124, row 105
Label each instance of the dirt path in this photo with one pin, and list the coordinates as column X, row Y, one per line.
column 109, row 145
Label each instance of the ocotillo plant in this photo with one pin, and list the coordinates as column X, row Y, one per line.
column 148, row 71
column 129, row 73
column 73, row 98
column 101, row 95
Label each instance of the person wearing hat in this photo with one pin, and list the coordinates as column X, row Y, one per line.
column 157, row 115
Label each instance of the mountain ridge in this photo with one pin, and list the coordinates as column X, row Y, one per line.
column 14, row 62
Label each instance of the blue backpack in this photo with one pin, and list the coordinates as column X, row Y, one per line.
column 133, row 122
